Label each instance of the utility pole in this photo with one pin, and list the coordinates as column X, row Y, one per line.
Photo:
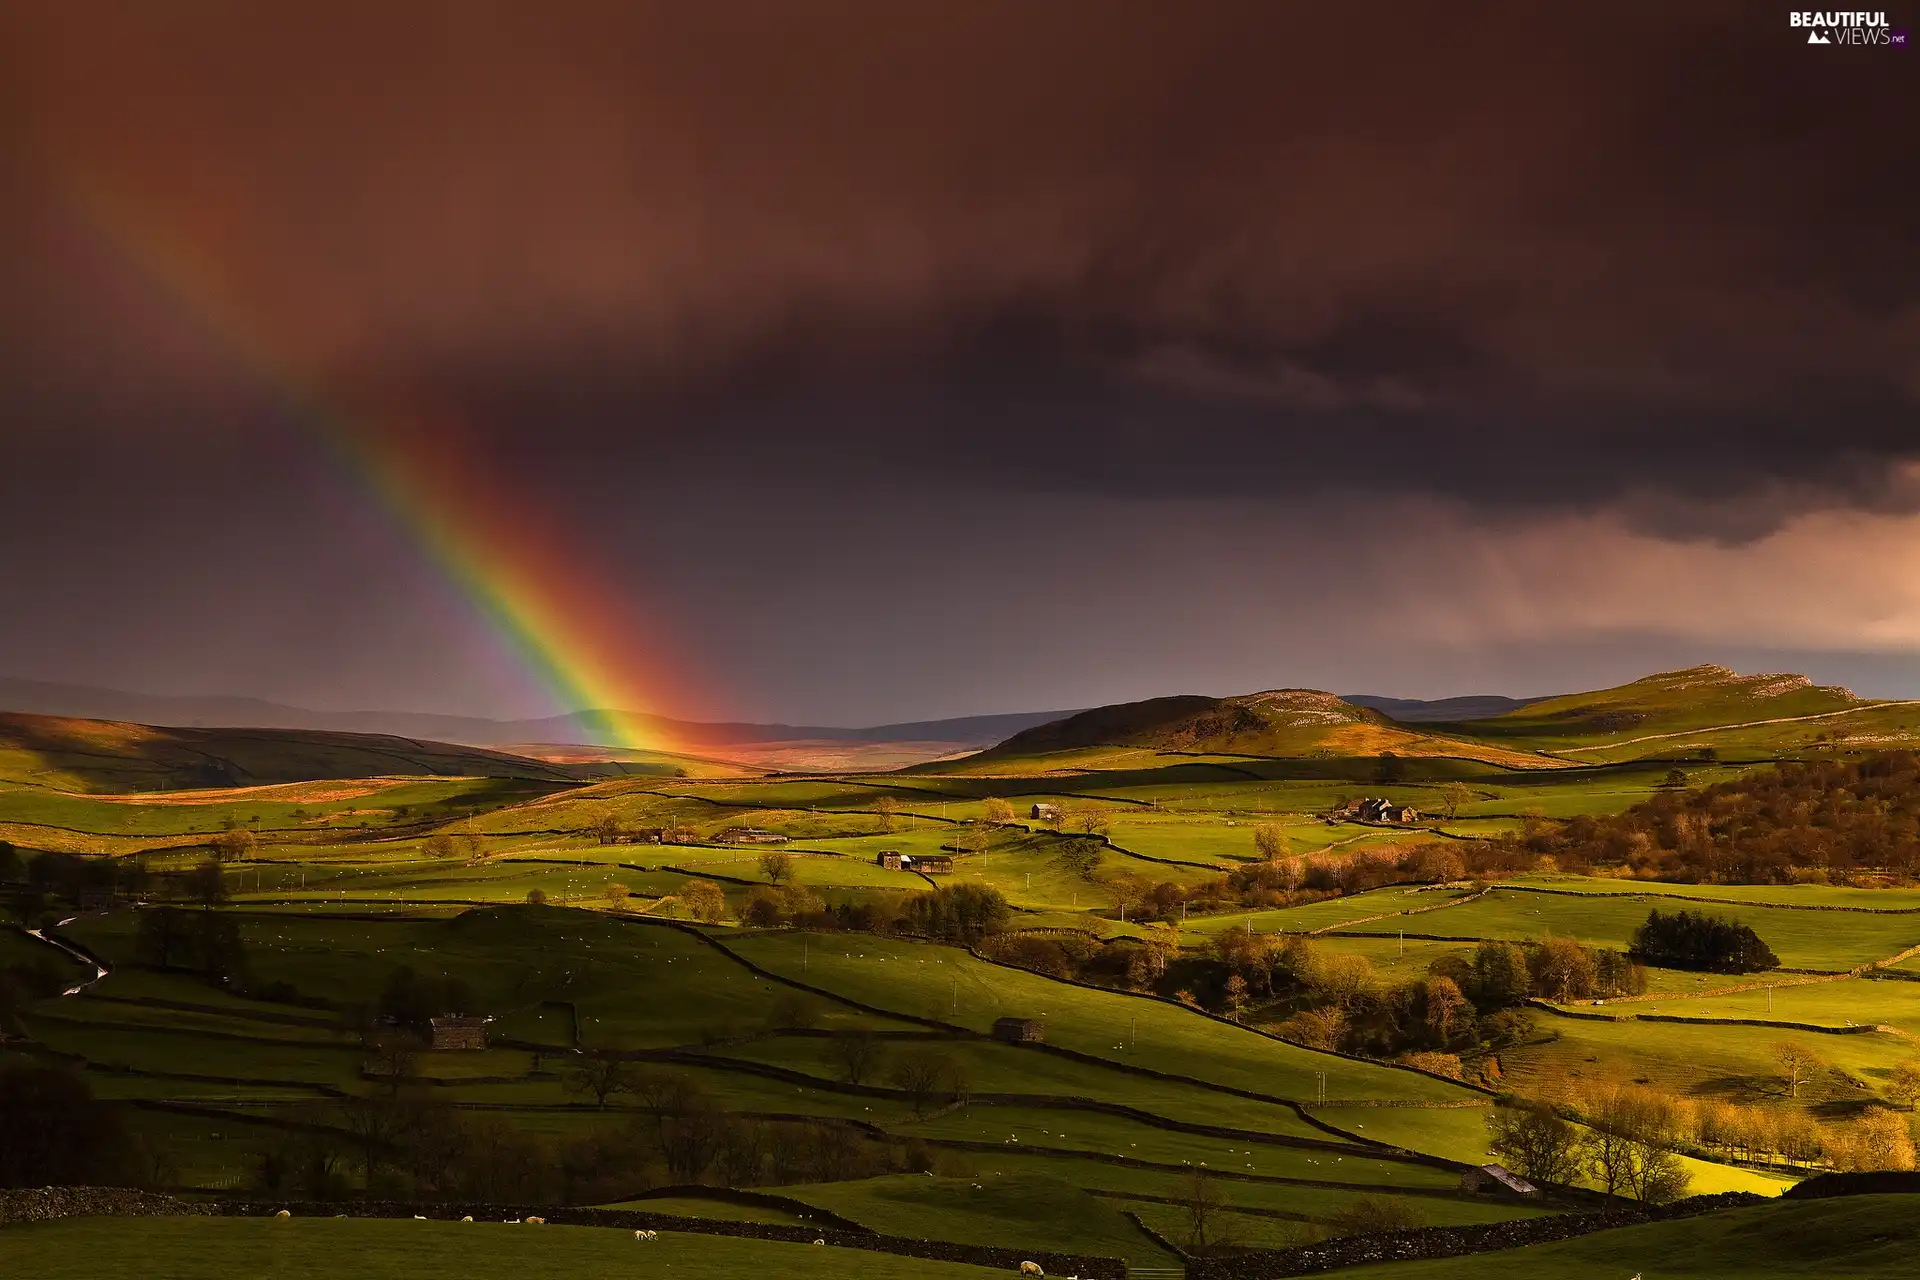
column 1403, row 942
column 956, row 995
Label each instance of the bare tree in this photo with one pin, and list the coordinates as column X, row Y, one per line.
column 598, row 1075
column 998, row 811
column 859, row 1054
column 919, row 1073
column 616, row 895
column 1798, row 1064
column 1453, row 795
column 777, row 866
column 888, row 808
column 1204, row 1205
column 1271, row 841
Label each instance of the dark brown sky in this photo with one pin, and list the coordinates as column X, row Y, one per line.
column 925, row 359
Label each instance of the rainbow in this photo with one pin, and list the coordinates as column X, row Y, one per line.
column 536, row 592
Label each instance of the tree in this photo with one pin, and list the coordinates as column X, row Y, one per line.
column 208, row 884
column 998, row 811
column 616, row 895
column 233, row 845
column 1445, row 1007
column 1537, row 1144
column 597, row 1075
column 1903, row 1083
column 1204, row 1206
column 53, row 1132
column 1500, row 977
column 374, row 1123
column 704, row 901
column 1093, row 820
column 1454, row 795
column 956, row 913
column 889, row 809
column 163, row 936
column 394, row 1056
column 794, row 1011
column 1388, row 767
column 763, row 908
column 1798, row 1064
column 223, row 953
column 858, row 1053
column 1561, row 968
column 1236, row 996
column 777, row 866
column 11, row 868
column 920, row 1073
column 1271, row 842
column 1676, row 778
column 607, row 828
column 536, row 897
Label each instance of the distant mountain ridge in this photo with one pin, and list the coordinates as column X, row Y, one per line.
column 34, row 697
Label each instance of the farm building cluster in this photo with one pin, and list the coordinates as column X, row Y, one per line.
column 1375, row 809
column 927, row 864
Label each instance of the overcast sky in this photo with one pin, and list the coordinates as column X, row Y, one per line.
column 890, row 361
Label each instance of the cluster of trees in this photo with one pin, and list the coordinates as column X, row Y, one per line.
column 1633, row 1135
column 1465, row 1001
column 1821, row 821
column 1698, row 941
column 674, row 1132
column 205, row 942
column 54, row 1132
column 1629, row 1148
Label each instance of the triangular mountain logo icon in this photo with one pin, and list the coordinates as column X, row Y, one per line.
column 1814, row 37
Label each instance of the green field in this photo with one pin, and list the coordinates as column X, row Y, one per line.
column 206, row 1249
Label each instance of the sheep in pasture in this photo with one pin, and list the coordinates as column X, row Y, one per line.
column 538, row 1222
column 1031, row 1269
column 468, row 1218
column 284, row 1213
column 819, row 1241
column 419, row 1217
column 646, row 1235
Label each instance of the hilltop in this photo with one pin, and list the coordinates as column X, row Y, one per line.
column 1696, row 708
column 1284, row 723
column 113, row 756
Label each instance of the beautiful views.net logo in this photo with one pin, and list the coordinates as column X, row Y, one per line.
column 1847, row 27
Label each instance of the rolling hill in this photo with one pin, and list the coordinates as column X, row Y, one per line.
column 1272, row 723
column 1698, row 707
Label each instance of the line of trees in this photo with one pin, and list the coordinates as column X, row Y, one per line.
column 1698, row 941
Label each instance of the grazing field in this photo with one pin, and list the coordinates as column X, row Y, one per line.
column 217, row 1248
column 1857, row 1238
column 265, row 1022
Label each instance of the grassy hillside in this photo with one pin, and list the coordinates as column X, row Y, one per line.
column 1707, row 706
column 1862, row 1238
column 221, row 1248
column 1273, row 723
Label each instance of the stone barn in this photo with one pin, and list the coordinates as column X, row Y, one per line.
column 1497, row 1180
column 1019, row 1030
column 459, row 1033
column 890, row 859
column 1045, row 813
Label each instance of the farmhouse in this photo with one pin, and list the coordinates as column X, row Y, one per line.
column 1018, row 1030
column 459, row 1033
column 1045, row 813
column 927, row 864
column 1374, row 809
column 751, row 835
column 1494, row 1179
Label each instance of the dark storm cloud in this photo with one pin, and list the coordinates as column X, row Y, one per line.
column 1210, row 325
column 1546, row 256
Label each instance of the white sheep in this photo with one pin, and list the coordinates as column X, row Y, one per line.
column 468, row 1218
column 819, row 1241
column 419, row 1217
column 644, row 1234
column 1031, row 1269
column 284, row 1213
column 538, row 1222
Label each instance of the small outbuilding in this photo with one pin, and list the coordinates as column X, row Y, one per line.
column 1045, row 813
column 459, row 1033
column 930, row 864
column 1497, row 1180
column 890, row 859
column 1019, row 1030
